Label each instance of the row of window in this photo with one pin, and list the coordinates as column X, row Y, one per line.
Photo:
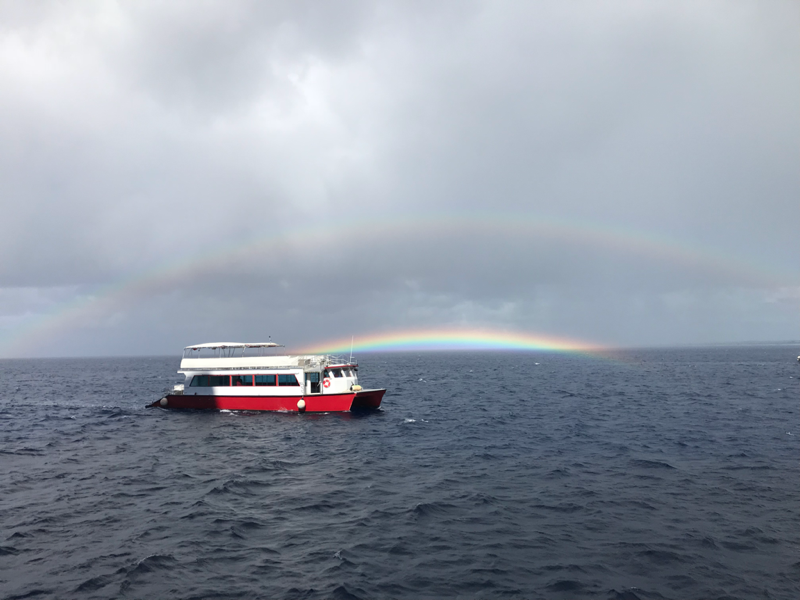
column 265, row 380
column 243, row 380
column 340, row 372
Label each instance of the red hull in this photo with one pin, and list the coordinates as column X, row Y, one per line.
column 365, row 399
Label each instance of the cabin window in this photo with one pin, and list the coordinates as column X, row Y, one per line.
column 219, row 380
column 287, row 380
column 199, row 381
column 210, row 380
column 265, row 379
column 336, row 372
column 312, row 377
column 237, row 380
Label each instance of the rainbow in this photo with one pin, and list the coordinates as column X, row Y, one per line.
column 453, row 339
column 84, row 309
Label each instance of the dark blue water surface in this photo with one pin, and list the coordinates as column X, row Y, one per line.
column 668, row 474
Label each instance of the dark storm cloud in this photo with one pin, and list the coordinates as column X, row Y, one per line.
column 137, row 133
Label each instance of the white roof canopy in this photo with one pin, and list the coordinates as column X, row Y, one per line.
column 233, row 345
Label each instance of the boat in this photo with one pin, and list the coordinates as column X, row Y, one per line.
column 246, row 376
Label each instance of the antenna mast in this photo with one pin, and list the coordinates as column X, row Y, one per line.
column 351, row 349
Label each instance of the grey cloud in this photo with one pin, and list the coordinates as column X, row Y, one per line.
column 137, row 133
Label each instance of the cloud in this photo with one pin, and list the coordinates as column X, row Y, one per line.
column 138, row 136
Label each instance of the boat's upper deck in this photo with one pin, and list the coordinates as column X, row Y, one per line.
column 241, row 356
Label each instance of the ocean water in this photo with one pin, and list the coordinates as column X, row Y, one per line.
column 658, row 474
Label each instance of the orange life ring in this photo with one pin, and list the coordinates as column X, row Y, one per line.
column 326, row 382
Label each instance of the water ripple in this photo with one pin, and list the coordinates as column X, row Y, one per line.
column 496, row 475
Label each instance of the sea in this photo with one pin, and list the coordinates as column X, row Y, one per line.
column 643, row 474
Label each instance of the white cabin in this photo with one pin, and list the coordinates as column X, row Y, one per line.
column 243, row 369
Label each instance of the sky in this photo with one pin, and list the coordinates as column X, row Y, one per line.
column 619, row 173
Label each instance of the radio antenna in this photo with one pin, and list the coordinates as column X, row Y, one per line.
column 351, row 349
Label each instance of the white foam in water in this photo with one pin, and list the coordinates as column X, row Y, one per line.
column 410, row 420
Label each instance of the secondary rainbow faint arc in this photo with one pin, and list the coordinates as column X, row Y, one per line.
column 347, row 229
column 453, row 339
